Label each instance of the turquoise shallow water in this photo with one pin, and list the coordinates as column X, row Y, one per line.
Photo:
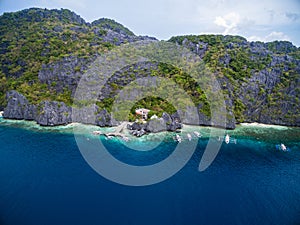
column 45, row 180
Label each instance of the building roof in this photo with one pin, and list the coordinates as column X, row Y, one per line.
column 142, row 111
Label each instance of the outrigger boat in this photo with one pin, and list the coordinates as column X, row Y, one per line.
column 178, row 138
column 282, row 147
column 189, row 137
column 227, row 139
column 197, row 134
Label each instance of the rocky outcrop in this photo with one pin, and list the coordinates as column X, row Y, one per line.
column 38, row 14
column 113, row 32
column 104, row 119
column 271, row 95
column 157, row 125
column 53, row 113
column 137, row 129
column 165, row 123
column 264, row 90
column 65, row 73
column 198, row 48
column 18, row 107
column 30, row 112
column 118, row 38
column 46, row 113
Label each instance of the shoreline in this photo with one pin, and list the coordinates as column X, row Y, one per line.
column 260, row 132
column 75, row 124
column 185, row 127
column 264, row 125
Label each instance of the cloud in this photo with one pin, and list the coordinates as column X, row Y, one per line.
column 230, row 22
column 292, row 16
column 277, row 36
column 273, row 36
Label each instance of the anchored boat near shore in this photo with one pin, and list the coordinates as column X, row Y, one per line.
column 282, row 147
column 178, row 138
column 228, row 139
column 197, row 134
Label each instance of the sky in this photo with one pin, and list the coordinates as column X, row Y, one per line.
column 262, row 20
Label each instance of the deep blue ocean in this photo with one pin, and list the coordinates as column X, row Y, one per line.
column 45, row 180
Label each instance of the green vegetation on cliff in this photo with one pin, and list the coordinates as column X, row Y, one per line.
column 33, row 37
column 256, row 75
column 110, row 24
column 260, row 81
column 158, row 105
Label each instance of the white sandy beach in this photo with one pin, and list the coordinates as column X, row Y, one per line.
column 206, row 132
column 262, row 125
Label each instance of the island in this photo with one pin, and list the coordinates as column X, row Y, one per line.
column 44, row 54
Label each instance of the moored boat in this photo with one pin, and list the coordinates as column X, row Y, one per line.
column 282, row 147
column 178, row 138
column 197, row 134
column 189, row 136
column 227, row 139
